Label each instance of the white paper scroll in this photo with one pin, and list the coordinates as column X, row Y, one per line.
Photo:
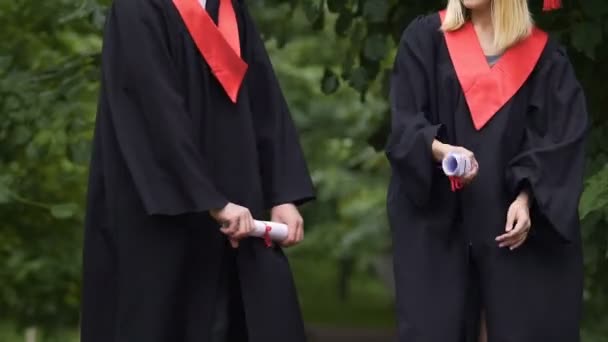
column 456, row 165
column 269, row 231
column 276, row 231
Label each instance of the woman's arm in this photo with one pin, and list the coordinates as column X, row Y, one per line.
column 412, row 147
column 549, row 169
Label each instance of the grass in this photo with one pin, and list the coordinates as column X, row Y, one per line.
column 368, row 306
column 9, row 333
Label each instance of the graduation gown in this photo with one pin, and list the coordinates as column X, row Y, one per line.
column 169, row 146
column 525, row 120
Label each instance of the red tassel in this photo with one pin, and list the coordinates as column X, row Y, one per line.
column 550, row 5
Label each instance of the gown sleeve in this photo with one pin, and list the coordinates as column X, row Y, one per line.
column 551, row 163
column 409, row 144
column 151, row 123
column 285, row 176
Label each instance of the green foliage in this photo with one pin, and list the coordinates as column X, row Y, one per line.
column 48, row 89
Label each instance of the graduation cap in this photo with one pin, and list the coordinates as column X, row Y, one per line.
column 550, row 5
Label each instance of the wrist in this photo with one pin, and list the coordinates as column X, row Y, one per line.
column 439, row 150
column 216, row 211
column 524, row 197
column 282, row 205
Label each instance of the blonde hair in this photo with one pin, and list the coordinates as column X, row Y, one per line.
column 512, row 20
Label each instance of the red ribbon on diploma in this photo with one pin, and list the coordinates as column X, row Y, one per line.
column 267, row 239
column 455, row 183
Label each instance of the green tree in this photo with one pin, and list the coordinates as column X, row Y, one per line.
column 48, row 82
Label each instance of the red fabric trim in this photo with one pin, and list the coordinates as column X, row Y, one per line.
column 487, row 89
column 225, row 63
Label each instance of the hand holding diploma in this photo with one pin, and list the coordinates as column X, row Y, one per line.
column 457, row 162
column 236, row 222
column 289, row 215
column 456, row 165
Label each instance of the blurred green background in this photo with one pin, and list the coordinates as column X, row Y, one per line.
column 332, row 57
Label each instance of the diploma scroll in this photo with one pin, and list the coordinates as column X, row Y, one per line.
column 456, row 165
column 269, row 231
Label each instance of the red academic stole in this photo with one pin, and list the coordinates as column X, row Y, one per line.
column 487, row 89
column 219, row 45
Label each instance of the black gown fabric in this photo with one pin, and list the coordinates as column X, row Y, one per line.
column 169, row 146
column 444, row 242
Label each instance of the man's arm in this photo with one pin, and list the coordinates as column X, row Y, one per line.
column 284, row 170
column 152, row 127
column 285, row 176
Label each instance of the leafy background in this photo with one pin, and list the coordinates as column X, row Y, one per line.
column 332, row 57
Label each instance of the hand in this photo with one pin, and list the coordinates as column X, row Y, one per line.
column 236, row 222
column 441, row 150
column 518, row 223
column 288, row 214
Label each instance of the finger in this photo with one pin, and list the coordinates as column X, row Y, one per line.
column 508, row 236
column 510, row 220
column 247, row 225
column 291, row 234
column 234, row 243
column 475, row 170
column 291, row 238
column 521, row 221
column 520, row 230
column 519, row 243
column 300, row 236
column 468, row 178
column 298, row 232
column 511, row 241
column 251, row 224
column 242, row 232
column 231, row 227
column 471, row 174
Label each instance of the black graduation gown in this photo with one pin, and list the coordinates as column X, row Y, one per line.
column 444, row 241
column 169, row 146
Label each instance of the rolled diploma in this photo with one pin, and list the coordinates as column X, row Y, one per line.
column 456, row 165
column 278, row 231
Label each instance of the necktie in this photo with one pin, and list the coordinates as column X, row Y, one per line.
column 228, row 25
